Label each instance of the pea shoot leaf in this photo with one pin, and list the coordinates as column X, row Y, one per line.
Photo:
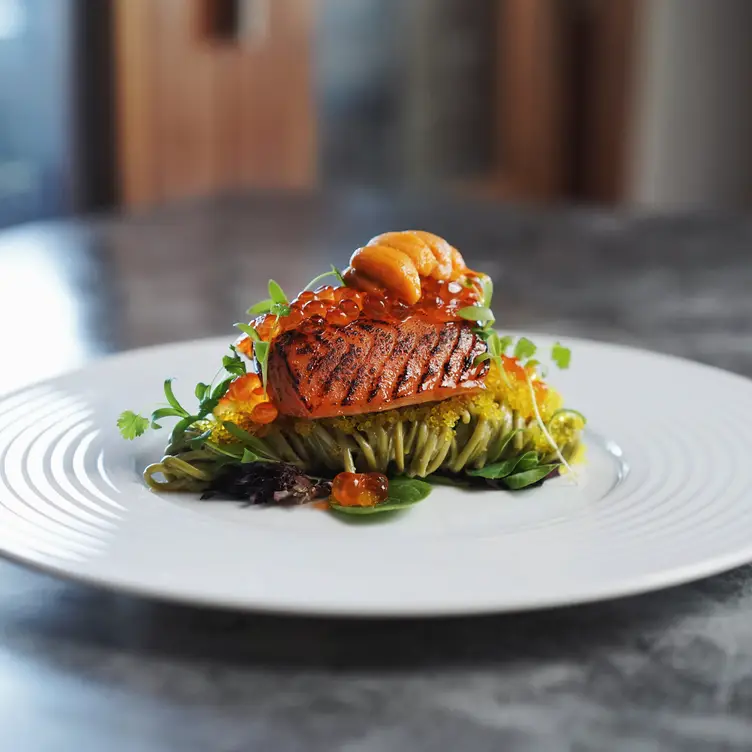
column 249, row 330
column 170, row 396
column 276, row 293
column 164, row 412
column 264, row 306
column 476, row 313
column 261, row 351
column 486, row 284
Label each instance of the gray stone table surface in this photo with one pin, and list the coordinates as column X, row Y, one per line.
column 84, row 669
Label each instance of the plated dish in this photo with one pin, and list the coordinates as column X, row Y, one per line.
column 366, row 389
column 655, row 503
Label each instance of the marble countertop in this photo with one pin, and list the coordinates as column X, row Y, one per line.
column 86, row 669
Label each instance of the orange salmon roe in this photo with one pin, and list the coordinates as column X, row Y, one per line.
column 360, row 489
column 315, row 308
column 246, row 396
column 440, row 301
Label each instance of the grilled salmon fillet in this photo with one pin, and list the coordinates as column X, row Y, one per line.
column 370, row 365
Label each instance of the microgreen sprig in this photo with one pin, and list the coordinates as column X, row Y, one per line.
column 260, row 349
column 524, row 352
column 479, row 313
column 336, row 273
column 276, row 304
column 132, row 425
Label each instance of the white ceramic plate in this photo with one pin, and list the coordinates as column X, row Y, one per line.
column 666, row 497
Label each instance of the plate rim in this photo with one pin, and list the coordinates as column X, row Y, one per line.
column 673, row 576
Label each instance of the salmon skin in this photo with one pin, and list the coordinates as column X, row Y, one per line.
column 369, row 366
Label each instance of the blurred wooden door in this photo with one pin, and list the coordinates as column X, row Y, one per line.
column 213, row 95
column 564, row 98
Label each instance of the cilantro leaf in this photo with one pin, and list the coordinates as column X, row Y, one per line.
column 524, row 349
column 476, row 313
column 132, row 425
column 233, row 364
column 561, row 355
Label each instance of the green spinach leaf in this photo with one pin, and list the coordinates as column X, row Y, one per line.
column 528, row 477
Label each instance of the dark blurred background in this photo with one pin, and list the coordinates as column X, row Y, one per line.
column 122, row 104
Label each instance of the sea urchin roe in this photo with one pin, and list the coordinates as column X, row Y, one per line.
column 360, row 489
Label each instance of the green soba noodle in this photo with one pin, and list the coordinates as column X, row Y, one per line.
column 415, row 448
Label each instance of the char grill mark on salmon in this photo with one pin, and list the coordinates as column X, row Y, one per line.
column 412, row 373
column 440, row 356
column 384, row 338
column 372, row 365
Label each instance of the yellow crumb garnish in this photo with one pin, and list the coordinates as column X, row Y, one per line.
column 515, row 392
column 303, row 427
column 436, row 415
column 219, row 434
column 492, row 403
